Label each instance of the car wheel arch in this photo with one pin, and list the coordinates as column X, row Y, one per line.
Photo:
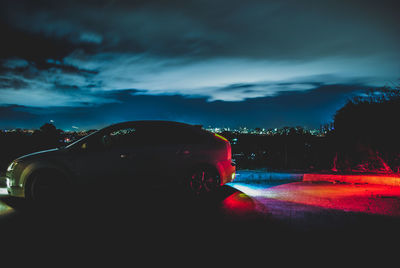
column 41, row 171
column 205, row 166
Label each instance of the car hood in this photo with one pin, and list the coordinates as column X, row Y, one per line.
column 40, row 154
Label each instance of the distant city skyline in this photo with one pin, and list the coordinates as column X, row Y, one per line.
column 322, row 130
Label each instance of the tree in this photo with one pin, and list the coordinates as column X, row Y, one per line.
column 49, row 135
column 368, row 123
column 48, row 128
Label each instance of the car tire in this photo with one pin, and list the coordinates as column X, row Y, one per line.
column 202, row 181
column 47, row 188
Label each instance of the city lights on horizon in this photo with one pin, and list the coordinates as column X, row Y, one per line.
column 322, row 131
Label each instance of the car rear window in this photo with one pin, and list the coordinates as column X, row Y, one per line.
column 174, row 135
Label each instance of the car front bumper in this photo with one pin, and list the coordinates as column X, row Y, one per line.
column 14, row 190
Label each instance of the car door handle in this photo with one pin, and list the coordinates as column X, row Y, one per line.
column 183, row 152
column 126, row 156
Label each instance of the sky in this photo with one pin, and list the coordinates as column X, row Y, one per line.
column 89, row 63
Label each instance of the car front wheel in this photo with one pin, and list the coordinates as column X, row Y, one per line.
column 46, row 187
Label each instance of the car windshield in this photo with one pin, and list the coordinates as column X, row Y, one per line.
column 80, row 140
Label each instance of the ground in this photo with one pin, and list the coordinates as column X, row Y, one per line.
column 274, row 209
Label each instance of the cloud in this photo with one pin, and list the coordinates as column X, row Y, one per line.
column 35, row 97
column 226, row 78
column 83, row 79
column 91, row 38
column 308, row 108
column 56, row 86
column 15, row 63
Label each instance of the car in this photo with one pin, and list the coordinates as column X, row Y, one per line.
column 128, row 154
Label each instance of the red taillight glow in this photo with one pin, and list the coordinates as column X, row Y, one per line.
column 220, row 137
column 229, row 151
column 228, row 146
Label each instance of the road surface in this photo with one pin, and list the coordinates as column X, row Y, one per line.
column 285, row 211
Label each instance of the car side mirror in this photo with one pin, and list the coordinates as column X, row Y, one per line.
column 91, row 147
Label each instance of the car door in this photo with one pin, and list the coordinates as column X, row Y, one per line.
column 109, row 157
column 92, row 162
column 150, row 155
column 126, row 152
column 166, row 154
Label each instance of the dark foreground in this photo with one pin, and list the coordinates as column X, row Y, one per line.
column 264, row 220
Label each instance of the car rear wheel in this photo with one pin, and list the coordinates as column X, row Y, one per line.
column 203, row 180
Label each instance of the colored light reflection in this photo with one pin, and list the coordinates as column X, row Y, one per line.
column 238, row 203
column 250, row 190
column 365, row 198
column 4, row 208
column 381, row 179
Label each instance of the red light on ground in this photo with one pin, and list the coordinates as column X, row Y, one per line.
column 238, row 203
column 380, row 179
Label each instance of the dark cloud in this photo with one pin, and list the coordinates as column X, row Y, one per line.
column 14, row 83
column 269, row 29
column 33, row 47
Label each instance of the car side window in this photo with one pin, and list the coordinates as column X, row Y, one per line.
column 120, row 137
column 179, row 136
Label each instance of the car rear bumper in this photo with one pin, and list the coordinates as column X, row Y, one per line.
column 227, row 170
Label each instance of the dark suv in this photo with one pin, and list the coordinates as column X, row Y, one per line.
column 124, row 155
